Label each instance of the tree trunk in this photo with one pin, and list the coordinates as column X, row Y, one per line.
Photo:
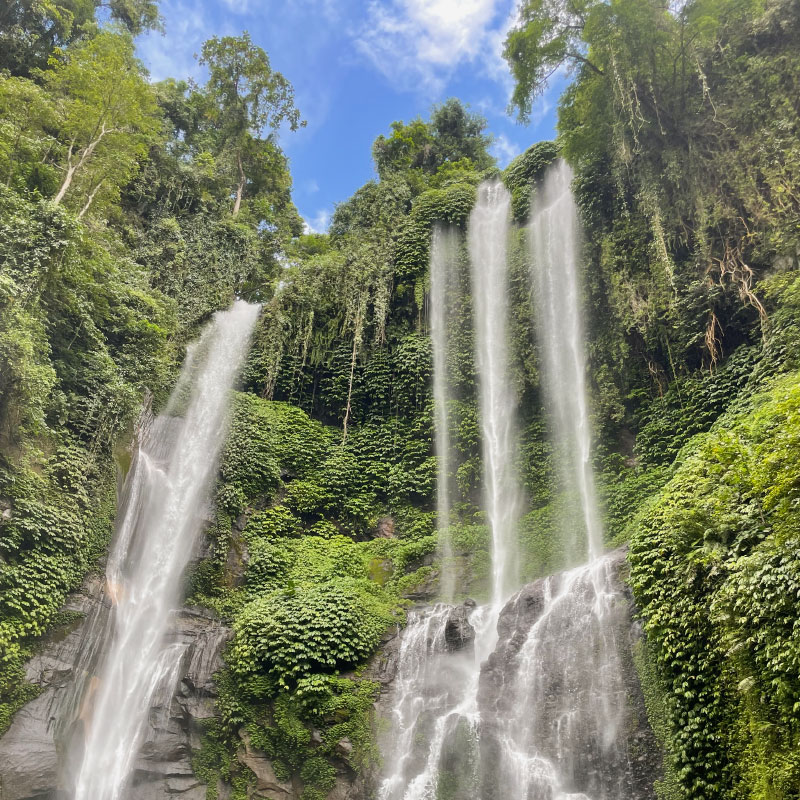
column 350, row 386
column 90, row 198
column 73, row 168
column 65, row 185
column 240, row 188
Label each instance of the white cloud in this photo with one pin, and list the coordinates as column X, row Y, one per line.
column 419, row 43
column 238, row 6
column 318, row 223
column 503, row 149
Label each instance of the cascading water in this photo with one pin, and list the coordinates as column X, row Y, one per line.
column 561, row 703
column 162, row 513
column 533, row 697
column 554, row 241
column 488, row 239
column 432, row 702
column 444, row 251
column 435, row 745
column 568, row 674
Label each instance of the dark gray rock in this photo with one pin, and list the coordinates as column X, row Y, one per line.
column 29, row 759
column 458, row 633
column 268, row 786
column 626, row 767
column 34, row 751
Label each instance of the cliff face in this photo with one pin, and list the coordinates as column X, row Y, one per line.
column 32, row 752
column 563, row 668
column 561, row 710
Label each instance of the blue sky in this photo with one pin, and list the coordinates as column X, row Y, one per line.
column 356, row 66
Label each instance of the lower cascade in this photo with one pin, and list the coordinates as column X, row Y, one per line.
column 561, row 708
column 165, row 508
column 555, row 711
column 133, row 648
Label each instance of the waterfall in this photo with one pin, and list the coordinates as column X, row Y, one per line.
column 444, row 253
column 435, row 746
column 569, row 677
column 568, row 673
column 433, row 701
column 537, row 696
column 488, row 239
column 554, row 240
column 165, row 505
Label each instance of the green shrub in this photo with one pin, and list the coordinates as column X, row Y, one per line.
column 273, row 523
column 289, row 635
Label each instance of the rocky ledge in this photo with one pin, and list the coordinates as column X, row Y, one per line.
column 578, row 678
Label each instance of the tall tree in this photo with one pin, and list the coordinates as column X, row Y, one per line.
column 548, row 36
column 106, row 115
column 451, row 134
column 30, row 30
column 247, row 102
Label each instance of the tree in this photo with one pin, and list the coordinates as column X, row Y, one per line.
column 458, row 134
column 452, row 134
column 245, row 98
column 30, row 30
column 548, row 35
column 106, row 115
column 27, row 113
column 137, row 16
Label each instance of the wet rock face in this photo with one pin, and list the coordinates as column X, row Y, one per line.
column 164, row 767
column 565, row 655
column 29, row 759
column 458, row 633
column 32, row 752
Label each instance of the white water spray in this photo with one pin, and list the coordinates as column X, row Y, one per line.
column 488, row 239
column 564, row 701
column 554, row 239
column 568, row 675
column 163, row 512
column 443, row 262
column 436, row 717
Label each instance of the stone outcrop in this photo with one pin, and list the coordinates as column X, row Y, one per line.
column 32, row 750
column 458, row 633
column 629, row 765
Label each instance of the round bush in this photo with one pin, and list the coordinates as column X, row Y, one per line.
column 292, row 634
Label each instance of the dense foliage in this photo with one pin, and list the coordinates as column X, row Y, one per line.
column 682, row 124
column 117, row 239
column 130, row 211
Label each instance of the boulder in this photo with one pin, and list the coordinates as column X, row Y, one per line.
column 458, row 633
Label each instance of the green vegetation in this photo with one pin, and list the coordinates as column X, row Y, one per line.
column 714, row 561
column 117, row 240
column 131, row 211
column 681, row 123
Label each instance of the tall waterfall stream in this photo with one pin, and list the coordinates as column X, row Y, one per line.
column 525, row 697
column 163, row 510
